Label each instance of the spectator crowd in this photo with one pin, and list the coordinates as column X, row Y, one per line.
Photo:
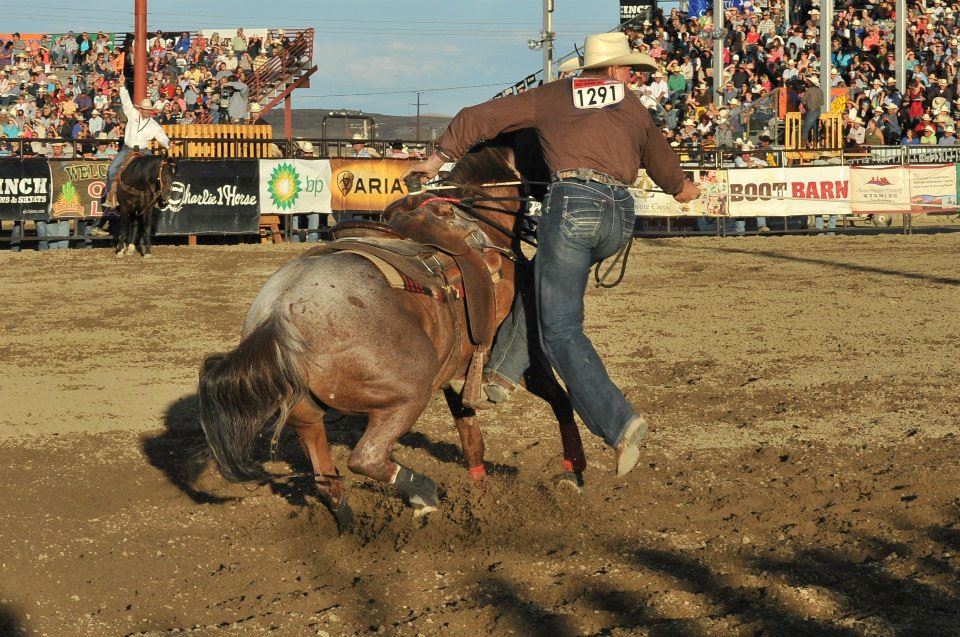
column 771, row 65
column 63, row 90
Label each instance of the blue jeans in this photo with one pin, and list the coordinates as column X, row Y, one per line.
column 115, row 166
column 53, row 229
column 831, row 222
column 810, row 121
column 313, row 223
column 583, row 222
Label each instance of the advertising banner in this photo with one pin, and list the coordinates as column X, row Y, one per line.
column 367, row 184
column 876, row 189
column 648, row 202
column 24, row 189
column 293, row 186
column 933, row 188
column 77, row 188
column 783, row 192
column 636, row 10
column 213, row 197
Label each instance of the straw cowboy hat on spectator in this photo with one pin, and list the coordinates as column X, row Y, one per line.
column 306, row 147
column 613, row 49
column 255, row 107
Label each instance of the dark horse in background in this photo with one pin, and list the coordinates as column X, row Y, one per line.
column 143, row 185
column 327, row 331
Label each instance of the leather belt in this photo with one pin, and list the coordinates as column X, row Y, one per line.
column 586, row 174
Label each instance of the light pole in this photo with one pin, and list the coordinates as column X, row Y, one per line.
column 547, row 36
column 719, row 34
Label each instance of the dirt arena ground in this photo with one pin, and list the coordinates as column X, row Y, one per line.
column 801, row 476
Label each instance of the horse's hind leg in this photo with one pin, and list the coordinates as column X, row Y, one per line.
column 540, row 381
column 371, row 456
column 471, row 438
column 122, row 234
column 145, row 232
column 134, row 236
column 306, row 418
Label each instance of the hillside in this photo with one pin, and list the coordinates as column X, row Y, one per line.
column 307, row 123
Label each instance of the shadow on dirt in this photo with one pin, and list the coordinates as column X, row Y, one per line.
column 181, row 451
column 10, row 625
column 855, row 267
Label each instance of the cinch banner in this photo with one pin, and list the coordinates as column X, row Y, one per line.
column 24, row 189
column 782, row 192
column 636, row 10
column 213, row 197
column 879, row 189
column 367, row 184
column 933, row 188
column 291, row 186
column 77, row 188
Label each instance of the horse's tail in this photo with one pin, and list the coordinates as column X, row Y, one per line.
column 244, row 391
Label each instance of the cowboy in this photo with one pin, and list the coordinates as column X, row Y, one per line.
column 141, row 130
column 594, row 143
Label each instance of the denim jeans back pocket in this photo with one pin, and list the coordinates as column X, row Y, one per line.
column 582, row 217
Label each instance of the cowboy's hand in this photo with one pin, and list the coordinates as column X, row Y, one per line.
column 689, row 192
column 427, row 168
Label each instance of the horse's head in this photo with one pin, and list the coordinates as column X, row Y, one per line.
column 165, row 175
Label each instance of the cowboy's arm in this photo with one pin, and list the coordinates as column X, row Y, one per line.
column 475, row 124
column 662, row 164
column 161, row 137
column 127, row 104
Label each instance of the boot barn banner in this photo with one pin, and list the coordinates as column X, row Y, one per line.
column 783, row 192
column 77, row 188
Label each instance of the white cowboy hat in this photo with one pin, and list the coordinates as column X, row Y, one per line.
column 358, row 136
column 746, row 147
column 602, row 50
column 689, row 122
column 306, row 147
column 255, row 107
column 146, row 104
column 813, row 80
column 569, row 65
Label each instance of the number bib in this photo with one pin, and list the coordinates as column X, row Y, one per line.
column 597, row 93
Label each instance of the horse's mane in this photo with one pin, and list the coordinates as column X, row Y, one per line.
column 491, row 161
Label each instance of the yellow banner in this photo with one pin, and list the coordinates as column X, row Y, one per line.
column 366, row 184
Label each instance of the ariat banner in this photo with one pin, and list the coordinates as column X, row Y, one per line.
column 367, row 184
column 212, row 197
column 295, row 186
column 77, row 188
column 24, row 189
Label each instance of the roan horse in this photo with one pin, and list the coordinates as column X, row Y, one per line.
column 326, row 331
column 143, row 185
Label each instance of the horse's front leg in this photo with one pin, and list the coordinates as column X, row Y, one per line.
column 122, row 233
column 471, row 438
column 133, row 236
column 146, row 231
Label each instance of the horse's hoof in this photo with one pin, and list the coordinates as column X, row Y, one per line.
column 423, row 511
column 131, row 249
column 343, row 515
column 121, row 254
column 571, row 480
column 420, row 490
column 148, row 256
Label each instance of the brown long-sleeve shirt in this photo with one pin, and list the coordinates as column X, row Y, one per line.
column 615, row 139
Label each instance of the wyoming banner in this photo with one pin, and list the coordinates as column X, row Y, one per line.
column 295, row 186
column 877, row 189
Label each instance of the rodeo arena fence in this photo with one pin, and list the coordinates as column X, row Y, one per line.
column 247, row 183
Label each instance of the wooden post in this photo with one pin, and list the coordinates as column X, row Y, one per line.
column 140, row 51
column 288, row 117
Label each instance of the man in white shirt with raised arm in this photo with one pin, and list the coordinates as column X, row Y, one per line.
column 140, row 131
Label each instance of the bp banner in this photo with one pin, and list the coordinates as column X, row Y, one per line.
column 933, row 188
column 648, row 202
column 292, row 186
column 77, row 187
column 213, row 197
column 24, row 189
column 367, row 184
column 783, row 192
column 875, row 189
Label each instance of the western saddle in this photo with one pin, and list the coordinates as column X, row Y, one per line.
column 447, row 257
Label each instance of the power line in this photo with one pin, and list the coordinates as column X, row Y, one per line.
column 407, row 91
